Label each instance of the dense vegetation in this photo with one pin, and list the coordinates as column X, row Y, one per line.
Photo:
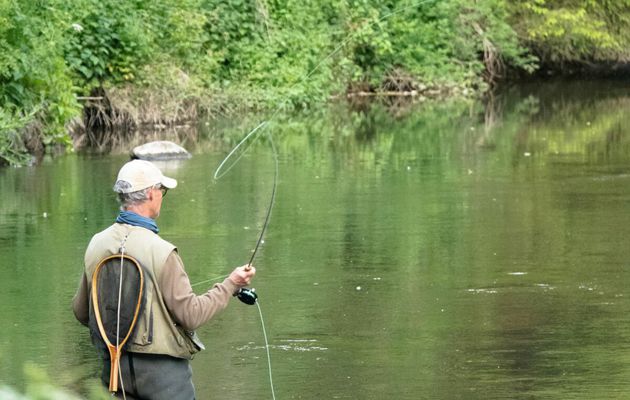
column 570, row 34
column 102, row 62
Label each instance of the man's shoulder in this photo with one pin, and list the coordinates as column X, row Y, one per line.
column 102, row 234
column 152, row 237
column 118, row 232
column 143, row 237
column 140, row 243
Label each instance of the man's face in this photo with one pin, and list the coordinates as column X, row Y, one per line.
column 156, row 195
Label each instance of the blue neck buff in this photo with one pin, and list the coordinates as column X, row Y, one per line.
column 131, row 218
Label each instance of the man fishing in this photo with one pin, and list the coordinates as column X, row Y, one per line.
column 155, row 363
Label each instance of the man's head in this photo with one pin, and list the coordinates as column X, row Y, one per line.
column 138, row 184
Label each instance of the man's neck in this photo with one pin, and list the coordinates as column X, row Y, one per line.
column 140, row 210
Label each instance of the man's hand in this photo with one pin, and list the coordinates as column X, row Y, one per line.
column 241, row 276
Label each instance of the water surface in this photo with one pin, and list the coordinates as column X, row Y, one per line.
column 442, row 251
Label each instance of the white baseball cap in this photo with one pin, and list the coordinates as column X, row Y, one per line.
column 141, row 174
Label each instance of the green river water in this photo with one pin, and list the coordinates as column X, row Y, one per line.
column 458, row 250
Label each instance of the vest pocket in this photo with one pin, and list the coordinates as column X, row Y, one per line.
column 189, row 340
column 144, row 327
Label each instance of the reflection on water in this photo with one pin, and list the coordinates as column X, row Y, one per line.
column 444, row 251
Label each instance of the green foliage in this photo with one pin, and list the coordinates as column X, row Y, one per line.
column 39, row 387
column 12, row 150
column 574, row 30
column 327, row 47
column 268, row 49
column 179, row 30
column 35, row 88
column 106, row 41
column 278, row 54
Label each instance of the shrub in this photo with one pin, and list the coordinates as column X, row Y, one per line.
column 36, row 94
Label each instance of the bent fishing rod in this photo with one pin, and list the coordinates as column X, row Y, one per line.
column 249, row 296
column 246, row 295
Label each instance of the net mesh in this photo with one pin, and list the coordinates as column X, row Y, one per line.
column 108, row 286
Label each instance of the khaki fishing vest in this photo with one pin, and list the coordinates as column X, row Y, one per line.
column 155, row 331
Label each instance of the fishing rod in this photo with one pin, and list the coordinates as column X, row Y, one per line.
column 246, row 295
column 249, row 296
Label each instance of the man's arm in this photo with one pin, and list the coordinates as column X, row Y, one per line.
column 188, row 309
column 81, row 302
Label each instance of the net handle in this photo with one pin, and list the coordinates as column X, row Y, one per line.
column 115, row 351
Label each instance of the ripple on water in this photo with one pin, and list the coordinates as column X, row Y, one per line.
column 297, row 345
column 494, row 290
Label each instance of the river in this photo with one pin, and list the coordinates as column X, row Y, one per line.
column 451, row 250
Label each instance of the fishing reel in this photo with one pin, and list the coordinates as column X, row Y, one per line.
column 247, row 296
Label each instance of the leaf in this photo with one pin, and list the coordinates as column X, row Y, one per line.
column 85, row 71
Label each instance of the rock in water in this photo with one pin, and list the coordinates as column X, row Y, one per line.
column 160, row 150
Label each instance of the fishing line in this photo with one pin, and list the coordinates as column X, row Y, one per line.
column 246, row 295
column 249, row 296
column 261, row 127
column 231, row 153
column 122, row 265
column 218, row 278
column 262, row 323
column 263, row 124
column 272, row 199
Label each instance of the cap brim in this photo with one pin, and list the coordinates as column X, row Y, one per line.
column 169, row 182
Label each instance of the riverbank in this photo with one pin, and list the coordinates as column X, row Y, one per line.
column 120, row 112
